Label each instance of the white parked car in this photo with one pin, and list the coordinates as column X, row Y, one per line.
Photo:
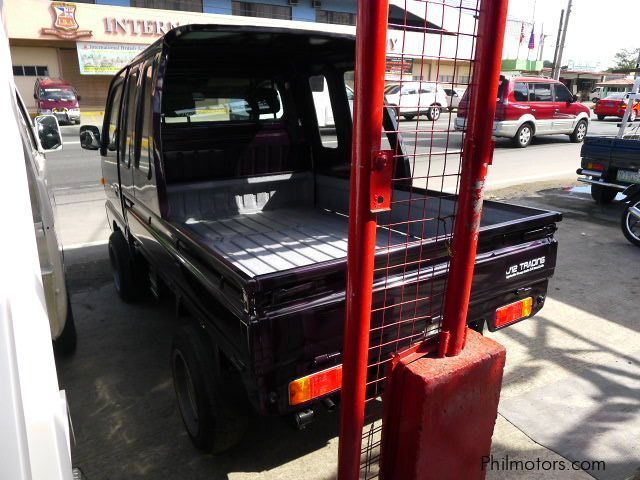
column 322, row 101
column 412, row 99
column 454, row 95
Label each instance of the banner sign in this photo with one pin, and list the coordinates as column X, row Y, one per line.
column 105, row 58
column 399, row 65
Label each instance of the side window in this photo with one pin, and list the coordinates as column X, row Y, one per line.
column 144, row 140
column 521, row 92
column 324, row 110
column 128, row 141
column 562, row 93
column 410, row 91
column 110, row 134
column 540, row 92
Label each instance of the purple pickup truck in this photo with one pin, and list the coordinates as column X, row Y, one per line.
column 220, row 189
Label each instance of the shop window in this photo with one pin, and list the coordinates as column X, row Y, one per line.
column 250, row 9
column 30, row 70
column 445, row 78
column 183, row 5
column 338, row 18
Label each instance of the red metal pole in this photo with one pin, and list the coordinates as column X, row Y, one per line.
column 478, row 155
column 371, row 38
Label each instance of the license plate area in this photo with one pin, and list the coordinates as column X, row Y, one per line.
column 628, row 176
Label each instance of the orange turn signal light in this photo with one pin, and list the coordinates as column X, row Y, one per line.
column 315, row 385
column 513, row 312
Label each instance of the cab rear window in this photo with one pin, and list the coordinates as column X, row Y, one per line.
column 221, row 100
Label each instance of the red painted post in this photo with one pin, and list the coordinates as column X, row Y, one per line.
column 371, row 38
column 477, row 156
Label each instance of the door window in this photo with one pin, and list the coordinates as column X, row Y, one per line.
column 540, row 92
column 521, row 92
column 131, row 109
column 144, row 141
column 562, row 93
column 110, row 134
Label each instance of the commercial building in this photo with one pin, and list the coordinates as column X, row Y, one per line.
column 87, row 42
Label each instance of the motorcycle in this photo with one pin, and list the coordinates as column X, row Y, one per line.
column 630, row 221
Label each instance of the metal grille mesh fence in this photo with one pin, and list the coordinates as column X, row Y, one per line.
column 428, row 83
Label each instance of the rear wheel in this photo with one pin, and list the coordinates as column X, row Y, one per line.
column 433, row 113
column 630, row 223
column 603, row 195
column 580, row 132
column 523, row 136
column 129, row 275
column 214, row 420
column 600, row 117
column 595, row 99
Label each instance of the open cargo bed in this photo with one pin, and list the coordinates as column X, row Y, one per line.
column 276, row 223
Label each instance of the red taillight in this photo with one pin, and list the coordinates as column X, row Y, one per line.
column 596, row 166
column 513, row 312
column 315, row 385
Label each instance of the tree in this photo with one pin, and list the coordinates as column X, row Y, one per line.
column 626, row 58
column 547, row 64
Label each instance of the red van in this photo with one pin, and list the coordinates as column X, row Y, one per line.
column 533, row 106
column 55, row 96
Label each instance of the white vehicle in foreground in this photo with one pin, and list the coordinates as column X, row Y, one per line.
column 33, row 410
column 412, row 99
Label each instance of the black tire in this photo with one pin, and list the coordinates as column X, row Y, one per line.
column 600, row 117
column 522, row 139
column 409, row 117
column 129, row 275
column 631, row 226
column 603, row 195
column 66, row 343
column 595, row 99
column 579, row 132
column 214, row 420
column 433, row 113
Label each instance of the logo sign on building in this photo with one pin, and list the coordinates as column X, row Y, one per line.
column 105, row 58
column 64, row 22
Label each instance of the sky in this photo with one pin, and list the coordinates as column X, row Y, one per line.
column 597, row 28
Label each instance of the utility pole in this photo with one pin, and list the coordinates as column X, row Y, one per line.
column 564, row 37
column 555, row 53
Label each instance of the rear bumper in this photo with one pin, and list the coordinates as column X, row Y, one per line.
column 500, row 129
column 594, row 177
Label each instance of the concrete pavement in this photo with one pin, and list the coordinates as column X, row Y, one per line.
column 126, row 420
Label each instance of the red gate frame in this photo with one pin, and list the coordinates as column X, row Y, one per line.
column 371, row 40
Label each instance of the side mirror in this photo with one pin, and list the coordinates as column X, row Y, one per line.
column 49, row 135
column 78, row 97
column 574, row 99
column 35, row 95
column 89, row 137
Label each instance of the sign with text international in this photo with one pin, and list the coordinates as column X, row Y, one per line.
column 105, row 58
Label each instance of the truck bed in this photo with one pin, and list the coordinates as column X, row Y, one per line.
column 273, row 241
column 277, row 223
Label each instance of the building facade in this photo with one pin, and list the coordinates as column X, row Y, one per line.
column 86, row 42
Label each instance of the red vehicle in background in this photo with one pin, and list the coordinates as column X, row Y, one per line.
column 614, row 105
column 532, row 106
column 55, row 96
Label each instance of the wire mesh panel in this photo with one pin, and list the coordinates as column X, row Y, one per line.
column 430, row 51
